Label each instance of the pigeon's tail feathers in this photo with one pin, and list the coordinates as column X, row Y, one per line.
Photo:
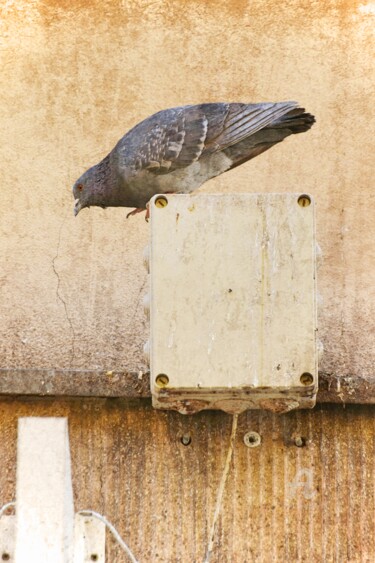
column 245, row 120
column 292, row 122
column 296, row 120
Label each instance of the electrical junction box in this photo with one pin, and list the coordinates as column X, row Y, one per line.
column 232, row 302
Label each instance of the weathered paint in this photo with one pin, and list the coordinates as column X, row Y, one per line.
column 76, row 75
column 44, row 492
column 281, row 502
column 233, row 302
column 135, row 385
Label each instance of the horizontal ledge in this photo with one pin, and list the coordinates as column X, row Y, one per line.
column 74, row 383
column 135, row 385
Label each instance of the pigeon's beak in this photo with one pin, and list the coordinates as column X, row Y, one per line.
column 77, row 207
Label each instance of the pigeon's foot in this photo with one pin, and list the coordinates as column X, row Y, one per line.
column 138, row 210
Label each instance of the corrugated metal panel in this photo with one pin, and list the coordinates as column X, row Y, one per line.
column 281, row 503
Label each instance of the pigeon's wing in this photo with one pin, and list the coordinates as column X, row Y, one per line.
column 177, row 137
column 169, row 139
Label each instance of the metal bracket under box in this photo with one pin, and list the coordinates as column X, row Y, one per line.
column 232, row 302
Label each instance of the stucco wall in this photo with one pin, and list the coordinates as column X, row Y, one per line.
column 77, row 74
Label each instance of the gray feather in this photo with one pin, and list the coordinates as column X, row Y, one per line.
column 178, row 149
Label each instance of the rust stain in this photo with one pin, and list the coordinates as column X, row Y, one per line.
column 278, row 405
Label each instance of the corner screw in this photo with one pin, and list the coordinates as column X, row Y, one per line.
column 306, row 378
column 162, row 380
column 304, row 200
column 161, row 201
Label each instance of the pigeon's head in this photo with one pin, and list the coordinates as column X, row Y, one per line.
column 80, row 195
column 90, row 189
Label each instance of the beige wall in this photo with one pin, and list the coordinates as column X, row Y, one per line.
column 77, row 74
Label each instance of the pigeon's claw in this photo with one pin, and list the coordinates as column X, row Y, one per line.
column 137, row 210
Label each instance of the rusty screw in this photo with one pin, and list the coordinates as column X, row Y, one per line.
column 252, row 439
column 161, row 201
column 299, row 441
column 186, row 440
column 306, row 378
column 162, row 380
column 304, row 200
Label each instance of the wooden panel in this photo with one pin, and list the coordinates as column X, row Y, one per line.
column 282, row 502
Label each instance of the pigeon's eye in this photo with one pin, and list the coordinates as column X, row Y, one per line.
column 80, row 187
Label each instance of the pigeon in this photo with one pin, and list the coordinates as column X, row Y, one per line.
column 177, row 150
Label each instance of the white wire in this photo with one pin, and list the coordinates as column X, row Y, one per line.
column 110, row 527
column 6, row 506
column 113, row 531
column 220, row 493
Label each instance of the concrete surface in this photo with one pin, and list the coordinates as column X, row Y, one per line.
column 76, row 75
